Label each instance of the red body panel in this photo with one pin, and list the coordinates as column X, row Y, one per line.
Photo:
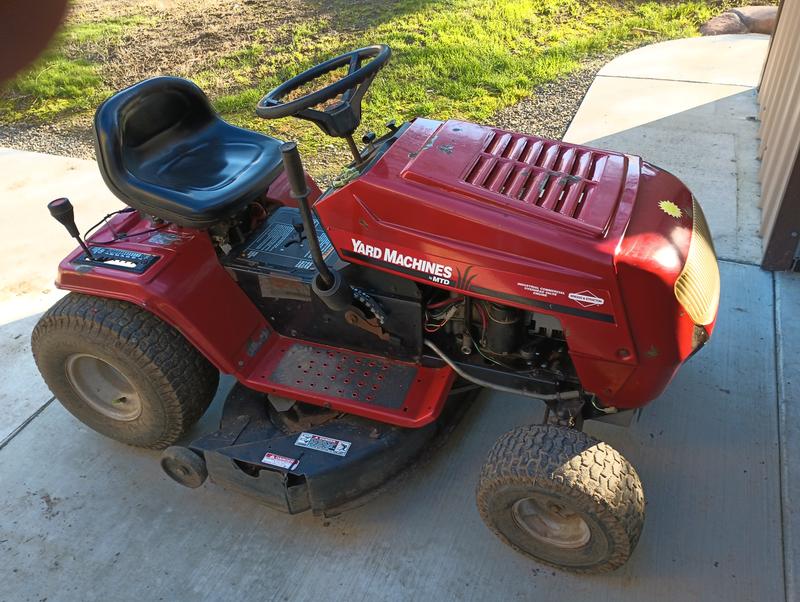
column 544, row 226
column 187, row 287
column 548, row 227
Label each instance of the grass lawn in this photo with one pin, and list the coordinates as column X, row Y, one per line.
column 462, row 58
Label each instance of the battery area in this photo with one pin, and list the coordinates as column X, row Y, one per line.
column 280, row 247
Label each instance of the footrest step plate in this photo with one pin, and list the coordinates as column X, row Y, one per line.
column 366, row 385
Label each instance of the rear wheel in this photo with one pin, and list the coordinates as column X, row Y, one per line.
column 122, row 371
column 562, row 497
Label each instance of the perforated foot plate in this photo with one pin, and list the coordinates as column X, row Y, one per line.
column 371, row 386
column 329, row 372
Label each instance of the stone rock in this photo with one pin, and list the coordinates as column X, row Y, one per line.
column 727, row 22
column 745, row 19
column 758, row 19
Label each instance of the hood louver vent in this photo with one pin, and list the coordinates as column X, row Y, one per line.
column 555, row 177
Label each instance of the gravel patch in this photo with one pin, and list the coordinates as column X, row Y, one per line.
column 69, row 140
column 549, row 111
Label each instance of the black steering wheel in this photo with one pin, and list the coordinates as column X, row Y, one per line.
column 339, row 119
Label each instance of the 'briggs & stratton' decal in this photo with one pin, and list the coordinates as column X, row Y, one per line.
column 586, row 299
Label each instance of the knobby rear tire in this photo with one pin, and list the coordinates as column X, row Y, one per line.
column 174, row 382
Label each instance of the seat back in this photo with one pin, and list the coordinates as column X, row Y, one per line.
column 157, row 120
column 142, row 122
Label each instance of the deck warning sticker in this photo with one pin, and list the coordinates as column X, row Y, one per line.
column 280, row 461
column 336, row 447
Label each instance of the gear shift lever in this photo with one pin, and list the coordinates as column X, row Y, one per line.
column 61, row 209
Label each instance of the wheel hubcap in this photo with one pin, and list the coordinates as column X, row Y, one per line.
column 550, row 522
column 103, row 387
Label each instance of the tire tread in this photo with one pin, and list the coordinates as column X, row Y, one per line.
column 567, row 461
column 184, row 379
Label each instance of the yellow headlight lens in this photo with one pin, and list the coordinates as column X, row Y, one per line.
column 697, row 287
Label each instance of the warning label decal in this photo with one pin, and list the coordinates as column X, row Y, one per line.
column 280, row 461
column 323, row 444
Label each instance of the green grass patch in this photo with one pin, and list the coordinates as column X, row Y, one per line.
column 64, row 80
column 454, row 58
column 59, row 84
column 107, row 30
column 451, row 58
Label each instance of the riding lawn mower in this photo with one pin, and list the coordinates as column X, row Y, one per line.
column 360, row 322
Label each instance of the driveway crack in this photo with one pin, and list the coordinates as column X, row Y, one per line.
column 25, row 423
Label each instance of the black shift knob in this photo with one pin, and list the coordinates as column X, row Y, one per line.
column 61, row 209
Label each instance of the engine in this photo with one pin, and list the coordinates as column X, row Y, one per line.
column 500, row 343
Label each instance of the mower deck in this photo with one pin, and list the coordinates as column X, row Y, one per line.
column 320, row 460
column 399, row 393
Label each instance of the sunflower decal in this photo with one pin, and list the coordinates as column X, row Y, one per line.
column 670, row 209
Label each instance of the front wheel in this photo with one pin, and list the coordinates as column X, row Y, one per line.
column 563, row 498
column 121, row 370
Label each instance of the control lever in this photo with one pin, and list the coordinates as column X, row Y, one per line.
column 61, row 209
column 355, row 317
column 328, row 285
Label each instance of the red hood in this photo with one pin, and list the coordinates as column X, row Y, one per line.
column 574, row 187
column 524, row 216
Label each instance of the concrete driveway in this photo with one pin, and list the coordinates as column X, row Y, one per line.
column 85, row 518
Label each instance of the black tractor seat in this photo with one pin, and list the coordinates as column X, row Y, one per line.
column 162, row 149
